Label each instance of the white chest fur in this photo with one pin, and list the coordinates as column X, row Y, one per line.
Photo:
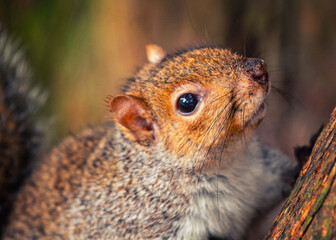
column 224, row 204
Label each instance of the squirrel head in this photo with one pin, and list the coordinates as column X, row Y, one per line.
column 194, row 103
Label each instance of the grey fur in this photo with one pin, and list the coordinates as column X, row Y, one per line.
column 20, row 133
column 165, row 202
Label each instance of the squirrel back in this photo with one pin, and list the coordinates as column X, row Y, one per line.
column 177, row 161
column 20, row 133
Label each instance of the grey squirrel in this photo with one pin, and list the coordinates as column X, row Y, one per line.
column 178, row 160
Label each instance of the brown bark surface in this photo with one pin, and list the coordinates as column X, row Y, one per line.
column 310, row 211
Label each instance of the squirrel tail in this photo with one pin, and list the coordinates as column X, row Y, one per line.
column 20, row 133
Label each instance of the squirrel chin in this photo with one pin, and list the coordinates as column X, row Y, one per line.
column 258, row 115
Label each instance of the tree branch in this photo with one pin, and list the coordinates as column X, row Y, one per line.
column 310, row 211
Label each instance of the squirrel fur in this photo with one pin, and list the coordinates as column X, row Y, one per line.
column 20, row 133
column 158, row 170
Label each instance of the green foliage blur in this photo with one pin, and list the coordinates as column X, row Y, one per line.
column 47, row 29
column 82, row 51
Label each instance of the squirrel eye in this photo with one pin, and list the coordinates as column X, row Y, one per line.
column 187, row 103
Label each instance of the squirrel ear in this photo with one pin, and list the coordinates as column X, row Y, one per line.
column 154, row 53
column 131, row 113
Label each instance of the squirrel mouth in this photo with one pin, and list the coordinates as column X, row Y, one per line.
column 258, row 115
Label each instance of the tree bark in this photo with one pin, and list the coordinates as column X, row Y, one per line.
column 310, row 211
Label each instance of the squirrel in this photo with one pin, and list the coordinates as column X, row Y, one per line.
column 178, row 160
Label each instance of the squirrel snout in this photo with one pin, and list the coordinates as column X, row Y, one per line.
column 257, row 70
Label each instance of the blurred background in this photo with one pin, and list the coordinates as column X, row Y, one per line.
column 81, row 51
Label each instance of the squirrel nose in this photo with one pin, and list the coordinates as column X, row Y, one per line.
column 257, row 70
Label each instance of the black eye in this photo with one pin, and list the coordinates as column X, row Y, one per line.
column 187, row 103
